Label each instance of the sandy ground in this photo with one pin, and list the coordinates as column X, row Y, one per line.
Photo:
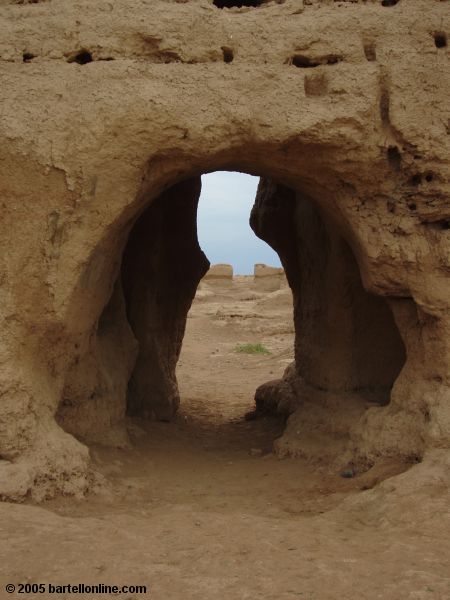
column 201, row 509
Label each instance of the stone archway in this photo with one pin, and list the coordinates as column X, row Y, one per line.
column 95, row 142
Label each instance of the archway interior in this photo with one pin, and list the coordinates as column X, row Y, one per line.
column 239, row 329
column 348, row 351
column 346, row 339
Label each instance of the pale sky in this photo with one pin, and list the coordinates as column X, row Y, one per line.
column 223, row 230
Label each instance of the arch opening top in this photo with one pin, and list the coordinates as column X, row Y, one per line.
column 223, row 227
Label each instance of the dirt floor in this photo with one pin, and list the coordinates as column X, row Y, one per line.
column 201, row 508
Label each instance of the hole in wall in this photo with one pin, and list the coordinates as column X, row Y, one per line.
column 439, row 225
column 237, row 3
column 440, row 40
column 28, row 57
column 394, row 157
column 305, row 62
column 83, row 57
column 389, row 2
column 416, row 179
column 228, row 54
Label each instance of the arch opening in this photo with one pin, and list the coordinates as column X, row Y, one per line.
column 348, row 351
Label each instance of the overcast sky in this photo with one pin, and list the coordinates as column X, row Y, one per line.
column 223, row 230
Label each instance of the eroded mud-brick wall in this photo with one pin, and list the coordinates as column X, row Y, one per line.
column 105, row 106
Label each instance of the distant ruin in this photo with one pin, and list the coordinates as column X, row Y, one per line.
column 219, row 272
column 264, row 277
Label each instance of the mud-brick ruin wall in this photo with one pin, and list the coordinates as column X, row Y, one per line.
column 106, row 106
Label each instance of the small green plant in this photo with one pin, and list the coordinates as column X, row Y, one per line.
column 251, row 349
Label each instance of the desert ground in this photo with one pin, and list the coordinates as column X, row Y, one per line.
column 201, row 507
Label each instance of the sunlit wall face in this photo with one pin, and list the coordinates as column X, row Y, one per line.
column 223, row 229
